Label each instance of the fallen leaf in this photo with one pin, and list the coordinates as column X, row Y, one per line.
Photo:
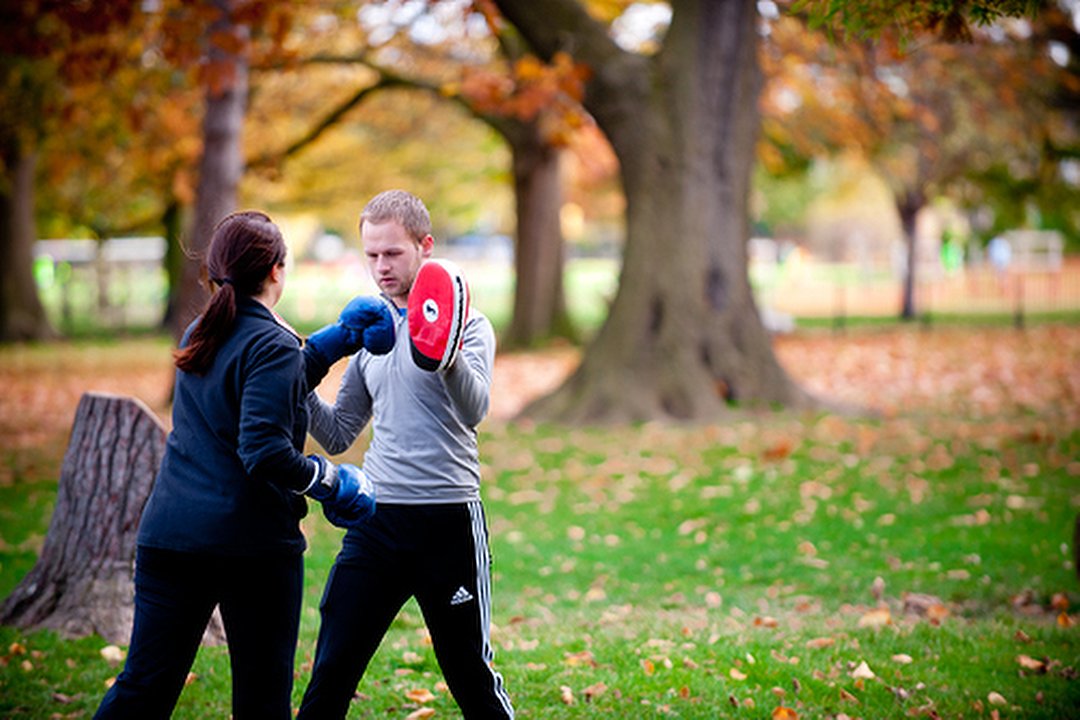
column 594, row 691
column 766, row 621
column 112, row 654
column 996, row 699
column 902, row 659
column 585, row 657
column 923, row 604
column 936, row 613
column 1065, row 620
column 420, row 695
column 424, row 712
column 863, row 671
column 877, row 588
column 876, row 618
column 1030, row 663
column 821, row 642
column 784, row 713
column 566, row 695
column 191, row 678
column 737, row 674
column 779, row 450
column 847, row 697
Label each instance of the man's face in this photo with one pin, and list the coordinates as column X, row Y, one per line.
column 393, row 257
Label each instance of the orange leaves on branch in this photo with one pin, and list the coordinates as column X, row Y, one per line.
column 231, row 41
column 218, row 75
column 549, row 93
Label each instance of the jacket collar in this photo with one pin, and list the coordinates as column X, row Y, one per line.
column 251, row 306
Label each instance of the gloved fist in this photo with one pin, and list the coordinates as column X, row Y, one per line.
column 346, row 493
column 354, row 502
column 334, row 342
column 373, row 319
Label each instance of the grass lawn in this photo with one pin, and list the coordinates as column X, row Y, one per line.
column 913, row 563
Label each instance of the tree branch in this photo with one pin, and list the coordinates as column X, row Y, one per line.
column 328, row 121
column 387, row 79
column 564, row 25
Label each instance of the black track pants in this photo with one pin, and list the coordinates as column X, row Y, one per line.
column 437, row 553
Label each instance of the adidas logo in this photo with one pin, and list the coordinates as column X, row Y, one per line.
column 461, row 596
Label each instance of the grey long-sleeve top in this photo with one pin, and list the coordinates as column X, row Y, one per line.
column 423, row 446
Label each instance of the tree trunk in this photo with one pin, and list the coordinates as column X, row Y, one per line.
column 83, row 580
column 683, row 338
column 222, row 164
column 539, row 311
column 908, row 206
column 22, row 316
column 173, row 262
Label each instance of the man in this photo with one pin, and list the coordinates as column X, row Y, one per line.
column 428, row 537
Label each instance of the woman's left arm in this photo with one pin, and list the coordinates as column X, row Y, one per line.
column 272, row 391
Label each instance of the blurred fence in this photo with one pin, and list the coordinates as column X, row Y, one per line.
column 115, row 284
column 120, row 285
column 1024, row 273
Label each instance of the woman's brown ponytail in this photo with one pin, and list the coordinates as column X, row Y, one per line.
column 244, row 249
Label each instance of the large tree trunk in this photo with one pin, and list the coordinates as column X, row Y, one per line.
column 222, row 164
column 683, row 338
column 82, row 582
column 539, row 311
column 22, row 316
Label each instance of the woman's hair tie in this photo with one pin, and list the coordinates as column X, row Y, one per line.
column 221, row 281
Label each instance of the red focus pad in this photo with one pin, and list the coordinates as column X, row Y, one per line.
column 438, row 308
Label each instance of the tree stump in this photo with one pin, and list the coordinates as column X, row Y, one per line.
column 83, row 580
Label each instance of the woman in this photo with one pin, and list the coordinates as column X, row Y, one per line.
column 222, row 525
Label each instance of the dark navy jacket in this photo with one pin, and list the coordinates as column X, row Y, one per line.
column 234, row 456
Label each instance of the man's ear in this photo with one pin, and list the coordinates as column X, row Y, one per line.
column 427, row 245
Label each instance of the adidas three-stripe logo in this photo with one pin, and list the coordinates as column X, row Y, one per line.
column 461, row 596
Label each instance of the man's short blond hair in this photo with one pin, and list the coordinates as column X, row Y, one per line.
column 401, row 206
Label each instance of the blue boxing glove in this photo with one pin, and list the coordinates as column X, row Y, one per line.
column 326, row 346
column 373, row 319
column 334, row 342
column 346, row 493
column 366, row 322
